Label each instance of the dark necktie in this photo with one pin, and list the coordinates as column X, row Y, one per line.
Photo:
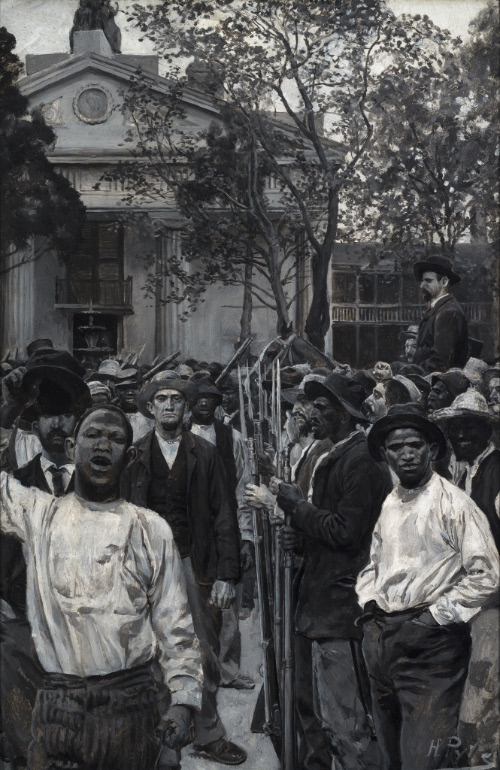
column 57, row 480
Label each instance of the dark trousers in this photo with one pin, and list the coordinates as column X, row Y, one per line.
column 20, row 677
column 417, row 675
column 98, row 723
column 332, row 719
column 207, row 622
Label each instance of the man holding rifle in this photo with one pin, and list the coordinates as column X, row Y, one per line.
column 336, row 523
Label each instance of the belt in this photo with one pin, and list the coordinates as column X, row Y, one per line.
column 374, row 612
column 128, row 677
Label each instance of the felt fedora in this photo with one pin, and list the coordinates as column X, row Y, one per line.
column 164, row 380
column 436, row 263
column 411, row 415
column 454, row 379
column 409, row 333
column 205, row 386
column 344, row 390
column 49, row 368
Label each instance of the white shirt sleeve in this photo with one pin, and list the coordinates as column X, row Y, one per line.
column 469, row 533
column 179, row 651
column 16, row 501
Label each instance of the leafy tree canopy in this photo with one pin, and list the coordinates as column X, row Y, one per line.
column 35, row 199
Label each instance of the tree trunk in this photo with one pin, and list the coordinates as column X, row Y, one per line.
column 318, row 319
column 246, row 315
column 283, row 325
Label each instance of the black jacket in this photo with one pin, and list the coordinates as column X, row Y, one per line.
column 349, row 489
column 215, row 549
column 485, row 488
column 443, row 339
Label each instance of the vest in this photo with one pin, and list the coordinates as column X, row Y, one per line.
column 167, row 494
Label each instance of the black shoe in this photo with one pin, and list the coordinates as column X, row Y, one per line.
column 223, row 751
column 240, row 682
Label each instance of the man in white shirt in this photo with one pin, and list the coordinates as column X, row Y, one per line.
column 61, row 396
column 433, row 564
column 105, row 595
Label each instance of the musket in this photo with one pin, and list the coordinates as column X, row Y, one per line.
column 289, row 745
column 161, row 365
column 270, row 689
column 234, row 360
column 278, row 593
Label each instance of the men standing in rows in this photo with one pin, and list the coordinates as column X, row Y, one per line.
column 98, row 567
column 433, row 565
column 61, row 396
column 443, row 340
column 231, row 447
column 181, row 477
column 475, row 467
column 336, row 523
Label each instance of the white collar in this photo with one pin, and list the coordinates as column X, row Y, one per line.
column 434, row 301
column 46, row 464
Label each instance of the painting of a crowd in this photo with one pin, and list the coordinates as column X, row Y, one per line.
column 148, row 508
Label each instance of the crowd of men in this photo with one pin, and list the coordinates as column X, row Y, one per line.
column 128, row 552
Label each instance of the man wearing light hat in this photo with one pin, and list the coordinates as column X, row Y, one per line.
column 442, row 340
column 181, row 477
column 409, row 337
column 433, row 566
column 475, row 467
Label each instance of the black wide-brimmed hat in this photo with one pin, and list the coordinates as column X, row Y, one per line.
column 436, row 263
column 161, row 381
column 346, row 391
column 205, row 386
column 48, row 368
column 410, row 415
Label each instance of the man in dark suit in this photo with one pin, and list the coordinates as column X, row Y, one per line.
column 181, row 477
column 443, row 340
column 233, row 451
column 336, row 523
column 53, row 416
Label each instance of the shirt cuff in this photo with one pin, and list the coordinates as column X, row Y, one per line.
column 447, row 613
column 187, row 692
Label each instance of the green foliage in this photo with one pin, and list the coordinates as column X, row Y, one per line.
column 35, row 200
column 335, row 101
column 431, row 175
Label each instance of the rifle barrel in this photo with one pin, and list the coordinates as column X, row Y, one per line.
column 234, row 360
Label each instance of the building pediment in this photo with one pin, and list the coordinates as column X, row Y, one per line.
column 81, row 97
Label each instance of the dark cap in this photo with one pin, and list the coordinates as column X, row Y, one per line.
column 344, row 390
column 411, row 415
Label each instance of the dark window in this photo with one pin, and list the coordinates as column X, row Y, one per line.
column 367, row 288
column 344, row 287
column 95, row 272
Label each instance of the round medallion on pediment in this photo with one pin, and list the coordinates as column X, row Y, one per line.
column 93, row 103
